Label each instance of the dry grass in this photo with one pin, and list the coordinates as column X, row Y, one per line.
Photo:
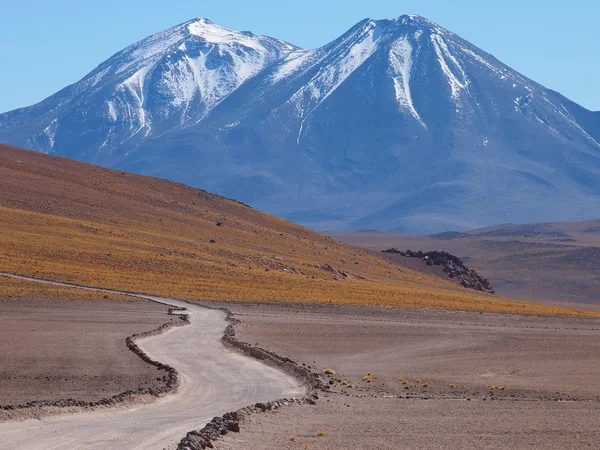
column 15, row 290
column 78, row 223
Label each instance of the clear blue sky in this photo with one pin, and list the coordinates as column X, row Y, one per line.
column 46, row 45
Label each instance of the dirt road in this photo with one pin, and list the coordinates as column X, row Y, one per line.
column 214, row 380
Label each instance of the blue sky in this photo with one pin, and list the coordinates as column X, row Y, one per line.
column 45, row 46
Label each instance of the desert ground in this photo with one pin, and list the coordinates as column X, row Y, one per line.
column 211, row 379
column 438, row 379
column 404, row 378
column 68, row 343
column 550, row 263
column 419, row 361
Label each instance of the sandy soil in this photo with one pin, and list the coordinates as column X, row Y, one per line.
column 548, row 366
column 73, row 349
column 213, row 380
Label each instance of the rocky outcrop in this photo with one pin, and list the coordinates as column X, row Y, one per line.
column 453, row 267
column 228, row 422
column 339, row 274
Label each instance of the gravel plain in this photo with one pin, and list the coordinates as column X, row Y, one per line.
column 438, row 379
column 214, row 379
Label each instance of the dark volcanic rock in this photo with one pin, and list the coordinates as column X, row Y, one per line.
column 453, row 267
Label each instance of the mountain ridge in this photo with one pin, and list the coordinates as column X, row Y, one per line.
column 399, row 124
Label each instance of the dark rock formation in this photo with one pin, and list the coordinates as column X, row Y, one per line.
column 453, row 267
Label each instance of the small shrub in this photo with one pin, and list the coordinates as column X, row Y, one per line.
column 329, row 372
column 321, row 433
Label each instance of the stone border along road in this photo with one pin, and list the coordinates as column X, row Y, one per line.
column 213, row 380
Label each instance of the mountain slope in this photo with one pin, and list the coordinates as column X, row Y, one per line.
column 169, row 80
column 79, row 223
column 397, row 125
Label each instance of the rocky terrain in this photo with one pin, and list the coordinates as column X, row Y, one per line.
column 453, row 266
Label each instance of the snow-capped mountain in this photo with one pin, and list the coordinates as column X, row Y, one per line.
column 170, row 80
column 398, row 124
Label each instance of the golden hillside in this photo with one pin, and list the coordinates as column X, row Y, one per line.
column 75, row 222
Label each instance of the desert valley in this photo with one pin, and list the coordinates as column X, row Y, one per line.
column 348, row 279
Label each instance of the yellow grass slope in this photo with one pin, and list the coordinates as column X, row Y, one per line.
column 14, row 290
column 79, row 223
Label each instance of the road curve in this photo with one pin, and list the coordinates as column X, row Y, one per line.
column 213, row 381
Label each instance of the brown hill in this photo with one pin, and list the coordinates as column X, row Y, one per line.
column 79, row 223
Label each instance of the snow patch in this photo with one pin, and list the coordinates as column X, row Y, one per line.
column 292, row 63
column 218, row 35
column 352, row 54
column 50, row 132
column 400, row 67
column 230, row 125
column 502, row 74
column 134, row 85
column 112, row 111
column 149, row 50
column 445, row 59
column 193, row 79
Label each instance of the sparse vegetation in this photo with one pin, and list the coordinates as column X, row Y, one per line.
column 147, row 235
column 13, row 290
column 329, row 372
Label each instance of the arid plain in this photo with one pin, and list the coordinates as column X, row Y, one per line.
column 427, row 379
column 449, row 367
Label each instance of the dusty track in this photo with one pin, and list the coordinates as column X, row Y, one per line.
column 214, row 380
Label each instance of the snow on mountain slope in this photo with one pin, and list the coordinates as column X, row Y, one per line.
column 168, row 80
column 398, row 124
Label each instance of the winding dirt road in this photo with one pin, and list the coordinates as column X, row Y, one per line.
column 213, row 381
